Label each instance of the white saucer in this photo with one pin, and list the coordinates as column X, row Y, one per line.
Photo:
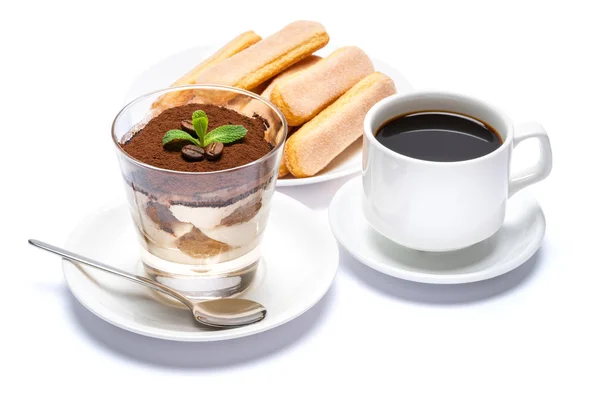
column 517, row 240
column 163, row 73
column 299, row 262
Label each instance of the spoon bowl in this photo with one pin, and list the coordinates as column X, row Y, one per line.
column 228, row 312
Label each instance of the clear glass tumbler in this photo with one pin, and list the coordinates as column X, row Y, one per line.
column 200, row 232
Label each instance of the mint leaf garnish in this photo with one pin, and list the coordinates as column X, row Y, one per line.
column 175, row 139
column 200, row 122
column 225, row 134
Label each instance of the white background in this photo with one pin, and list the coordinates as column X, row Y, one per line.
column 529, row 334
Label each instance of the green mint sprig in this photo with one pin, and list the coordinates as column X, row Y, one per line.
column 200, row 122
column 225, row 134
column 175, row 139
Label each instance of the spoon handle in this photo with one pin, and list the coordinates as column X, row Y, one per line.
column 107, row 268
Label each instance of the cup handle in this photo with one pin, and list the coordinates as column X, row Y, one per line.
column 541, row 169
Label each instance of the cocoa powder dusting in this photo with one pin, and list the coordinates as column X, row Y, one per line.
column 146, row 145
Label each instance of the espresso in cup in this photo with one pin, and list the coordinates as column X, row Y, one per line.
column 437, row 169
column 438, row 136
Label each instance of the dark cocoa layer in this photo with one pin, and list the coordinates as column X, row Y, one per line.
column 145, row 145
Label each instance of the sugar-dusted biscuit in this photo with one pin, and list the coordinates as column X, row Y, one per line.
column 269, row 57
column 304, row 95
column 283, row 171
column 321, row 139
column 260, row 108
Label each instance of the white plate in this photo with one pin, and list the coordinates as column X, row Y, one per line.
column 163, row 73
column 518, row 239
column 291, row 279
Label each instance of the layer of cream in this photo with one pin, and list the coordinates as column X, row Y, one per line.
column 241, row 239
column 210, row 217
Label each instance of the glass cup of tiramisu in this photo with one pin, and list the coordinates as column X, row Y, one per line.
column 199, row 164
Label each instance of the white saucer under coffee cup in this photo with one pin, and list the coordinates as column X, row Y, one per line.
column 444, row 206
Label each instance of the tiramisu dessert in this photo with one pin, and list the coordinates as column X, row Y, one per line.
column 200, row 178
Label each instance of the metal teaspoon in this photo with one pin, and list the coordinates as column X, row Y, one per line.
column 220, row 313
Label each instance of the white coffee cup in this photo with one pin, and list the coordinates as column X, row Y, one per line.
column 444, row 206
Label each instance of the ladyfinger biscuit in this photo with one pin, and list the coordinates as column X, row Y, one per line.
column 321, row 139
column 258, row 107
column 294, row 69
column 283, row 171
column 238, row 44
column 304, row 95
column 269, row 57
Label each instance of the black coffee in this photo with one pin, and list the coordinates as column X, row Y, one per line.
column 437, row 136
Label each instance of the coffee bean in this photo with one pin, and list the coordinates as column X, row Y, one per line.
column 214, row 150
column 192, row 153
column 188, row 127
